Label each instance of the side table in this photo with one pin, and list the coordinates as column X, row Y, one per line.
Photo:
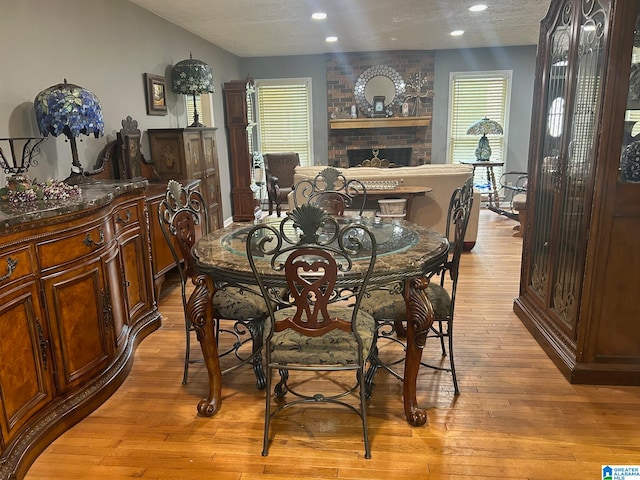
column 494, row 199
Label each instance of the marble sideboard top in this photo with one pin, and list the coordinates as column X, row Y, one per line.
column 92, row 195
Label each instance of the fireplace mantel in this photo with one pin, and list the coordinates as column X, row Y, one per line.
column 391, row 122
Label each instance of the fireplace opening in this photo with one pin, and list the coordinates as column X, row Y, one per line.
column 400, row 156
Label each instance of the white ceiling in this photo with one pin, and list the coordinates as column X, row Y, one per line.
column 259, row 28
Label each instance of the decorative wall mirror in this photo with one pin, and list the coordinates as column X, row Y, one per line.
column 379, row 81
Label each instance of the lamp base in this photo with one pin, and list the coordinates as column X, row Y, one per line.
column 76, row 179
column 196, row 124
column 483, row 151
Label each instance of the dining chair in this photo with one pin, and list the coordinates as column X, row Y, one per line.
column 388, row 306
column 332, row 191
column 182, row 215
column 280, row 168
column 314, row 329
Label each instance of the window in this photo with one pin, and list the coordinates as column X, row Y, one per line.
column 284, row 116
column 475, row 96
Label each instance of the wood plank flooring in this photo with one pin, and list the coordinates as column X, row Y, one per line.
column 516, row 416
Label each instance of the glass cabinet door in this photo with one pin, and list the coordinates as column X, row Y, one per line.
column 565, row 175
column 549, row 167
column 630, row 156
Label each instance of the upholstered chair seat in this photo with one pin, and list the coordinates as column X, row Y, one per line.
column 387, row 305
column 333, row 348
column 235, row 302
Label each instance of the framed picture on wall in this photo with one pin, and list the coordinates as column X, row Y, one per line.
column 378, row 106
column 156, row 89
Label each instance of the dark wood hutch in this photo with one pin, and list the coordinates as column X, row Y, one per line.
column 580, row 263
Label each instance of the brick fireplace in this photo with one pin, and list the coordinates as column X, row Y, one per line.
column 343, row 71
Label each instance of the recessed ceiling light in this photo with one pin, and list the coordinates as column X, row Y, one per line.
column 478, row 8
column 319, row 16
column 331, row 39
column 457, row 33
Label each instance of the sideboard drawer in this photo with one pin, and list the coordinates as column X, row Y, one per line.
column 14, row 265
column 77, row 244
column 126, row 216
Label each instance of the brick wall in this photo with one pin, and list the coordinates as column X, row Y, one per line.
column 343, row 71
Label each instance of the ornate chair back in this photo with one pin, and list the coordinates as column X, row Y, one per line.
column 182, row 215
column 331, row 191
column 319, row 325
column 458, row 216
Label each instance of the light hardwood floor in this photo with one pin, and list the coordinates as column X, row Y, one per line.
column 515, row 418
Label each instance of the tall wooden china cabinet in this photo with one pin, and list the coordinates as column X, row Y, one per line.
column 190, row 153
column 580, row 276
column 239, row 103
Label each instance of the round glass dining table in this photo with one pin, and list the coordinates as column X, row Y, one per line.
column 407, row 253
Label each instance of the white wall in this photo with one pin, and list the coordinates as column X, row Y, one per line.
column 104, row 46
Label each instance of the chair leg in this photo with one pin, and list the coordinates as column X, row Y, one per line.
column 441, row 335
column 256, row 328
column 374, row 365
column 363, row 412
column 187, row 351
column 281, row 388
column 451, row 361
column 267, row 413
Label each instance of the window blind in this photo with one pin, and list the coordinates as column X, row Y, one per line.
column 203, row 104
column 284, row 117
column 190, row 111
column 473, row 97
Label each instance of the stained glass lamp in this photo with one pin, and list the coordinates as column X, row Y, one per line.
column 484, row 127
column 72, row 110
column 192, row 77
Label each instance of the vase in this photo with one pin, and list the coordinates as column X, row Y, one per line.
column 630, row 163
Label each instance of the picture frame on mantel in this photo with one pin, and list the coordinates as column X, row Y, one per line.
column 378, row 107
column 156, row 92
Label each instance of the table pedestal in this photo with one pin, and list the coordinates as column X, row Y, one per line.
column 420, row 318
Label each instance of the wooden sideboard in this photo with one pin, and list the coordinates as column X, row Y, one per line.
column 76, row 297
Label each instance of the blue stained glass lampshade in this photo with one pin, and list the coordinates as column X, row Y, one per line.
column 69, row 109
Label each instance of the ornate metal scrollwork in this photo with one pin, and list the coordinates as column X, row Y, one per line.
column 107, row 311
column 89, row 242
column 125, row 220
column 44, row 344
column 11, row 266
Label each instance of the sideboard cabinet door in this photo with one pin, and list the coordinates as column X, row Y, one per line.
column 79, row 303
column 26, row 365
